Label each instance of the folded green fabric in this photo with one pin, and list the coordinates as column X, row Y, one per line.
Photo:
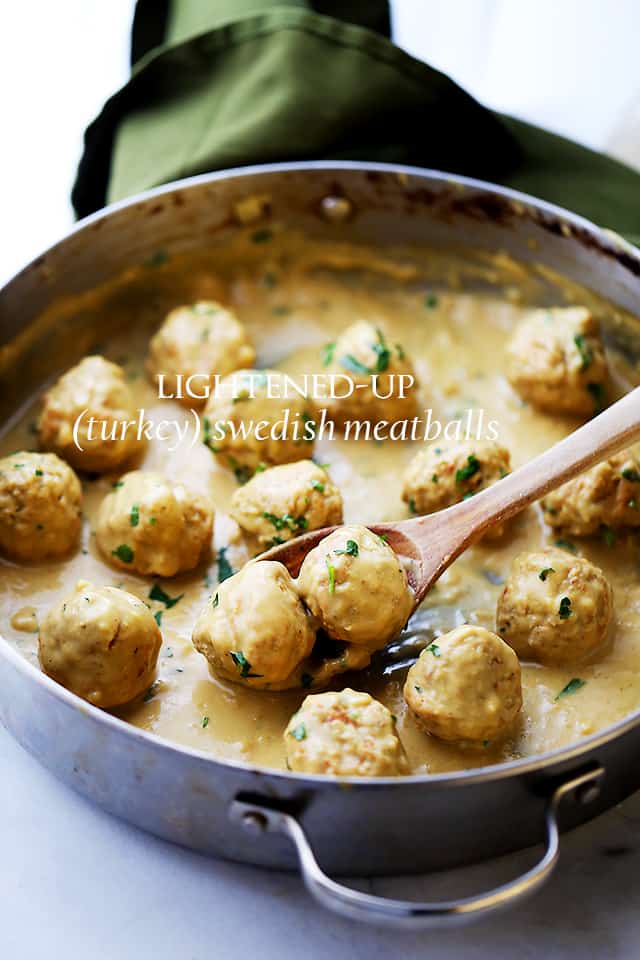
column 227, row 83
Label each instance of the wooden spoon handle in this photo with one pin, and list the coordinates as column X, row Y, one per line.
column 606, row 434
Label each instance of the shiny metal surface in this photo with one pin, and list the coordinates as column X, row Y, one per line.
column 407, row 914
column 362, row 826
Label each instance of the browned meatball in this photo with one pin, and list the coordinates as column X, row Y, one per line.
column 102, row 643
column 557, row 362
column 282, row 502
column 607, row 496
column 94, row 389
column 40, row 506
column 465, row 686
column 443, row 474
column 363, row 353
column 199, row 340
column 554, row 608
column 345, row 733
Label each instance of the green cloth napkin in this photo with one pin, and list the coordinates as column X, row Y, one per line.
column 225, row 83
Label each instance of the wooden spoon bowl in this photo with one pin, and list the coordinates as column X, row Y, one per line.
column 433, row 542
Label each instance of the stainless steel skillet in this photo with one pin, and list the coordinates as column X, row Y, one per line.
column 277, row 819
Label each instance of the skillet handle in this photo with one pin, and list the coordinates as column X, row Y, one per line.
column 408, row 914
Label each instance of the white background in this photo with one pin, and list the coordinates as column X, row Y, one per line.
column 73, row 880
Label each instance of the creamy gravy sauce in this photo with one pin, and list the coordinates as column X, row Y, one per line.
column 457, row 347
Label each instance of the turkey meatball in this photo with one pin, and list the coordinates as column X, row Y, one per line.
column 607, row 496
column 344, row 733
column 554, row 608
column 198, row 341
column 356, row 586
column 362, row 353
column 282, row 502
column 40, row 506
column 151, row 525
column 442, row 475
column 465, row 686
column 101, row 643
column 255, row 630
column 255, row 419
column 556, row 361
column 96, row 391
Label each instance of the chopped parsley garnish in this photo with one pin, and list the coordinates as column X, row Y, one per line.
column 124, row 553
column 630, row 474
column 203, row 309
column 317, row 485
column 157, row 259
column 383, row 353
column 38, row 472
column 468, row 471
column 157, row 593
column 205, row 722
column 287, row 521
column 299, row 732
column 544, row 573
column 215, row 601
column 206, row 436
column 351, row 549
column 331, row 570
column 417, row 688
column 134, row 518
column 597, row 392
column 225, row 570
column 118, row 483
column 434, row 649
column 400, row 351
column 384, row 537
column 262, row 236
column 608, row 535
column 430, row 301
column 572, row 687
column 349, row 362
column 434, row 478
column 412, row 505
column 566, row 545
column 242, row 473
column 585, row 351
column 327, row 353
column 158, row 617
column 565, row 610
column 306, row 680
column 242, row 664
column 151, row 692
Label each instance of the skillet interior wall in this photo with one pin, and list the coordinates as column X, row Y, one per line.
column 74, row 325
column 47, row 312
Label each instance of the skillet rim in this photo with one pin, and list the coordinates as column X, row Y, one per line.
column 606, row 241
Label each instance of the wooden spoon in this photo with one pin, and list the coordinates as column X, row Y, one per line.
column 435, row 541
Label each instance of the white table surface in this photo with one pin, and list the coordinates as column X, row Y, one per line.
column 78, row 883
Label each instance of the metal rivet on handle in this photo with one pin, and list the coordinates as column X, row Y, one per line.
column 587, row 794
column 254, row 823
